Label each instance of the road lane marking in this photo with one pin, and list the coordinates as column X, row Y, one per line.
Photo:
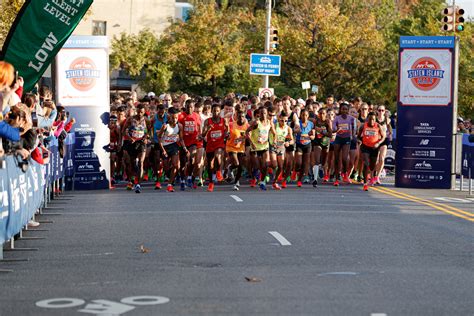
column 452, row 208
column 441, row 207
column 338, row 273
column 282, row 240
column 236, row 198
column 378, row 314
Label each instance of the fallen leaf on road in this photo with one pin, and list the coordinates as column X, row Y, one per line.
column 253, row 279
column 144, row 250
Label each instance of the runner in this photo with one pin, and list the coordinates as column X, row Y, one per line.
column 282, row 140
column 113, row 148
column 344, row 125
column 354, row 148
column 304, row 136
column 258, row 132
column 171, row 137
column 157, row 122
column 363, row 113
column 215, row 131
column 384, row 123
column 235, row 147
column 372, row 136
column 136, row 131
column 191, row 122
column 323, row 129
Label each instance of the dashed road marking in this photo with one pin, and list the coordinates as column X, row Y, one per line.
column 236, row 198
column 282, row 240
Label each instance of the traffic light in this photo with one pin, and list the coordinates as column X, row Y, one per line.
column 452, row 19
column 274, row 40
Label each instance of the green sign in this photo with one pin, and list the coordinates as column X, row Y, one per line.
column 38, row 33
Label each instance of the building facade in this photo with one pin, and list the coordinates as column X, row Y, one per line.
column 112, row 17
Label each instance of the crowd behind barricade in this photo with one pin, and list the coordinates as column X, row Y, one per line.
column 193, row 141
column 30, row 123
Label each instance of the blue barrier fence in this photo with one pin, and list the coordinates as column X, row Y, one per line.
column 23, row 193
column 467, row 158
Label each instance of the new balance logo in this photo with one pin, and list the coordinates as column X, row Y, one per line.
column 424, row 142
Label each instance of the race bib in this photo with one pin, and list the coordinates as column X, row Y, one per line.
column 216, row 134
column 262, row 137
column 344, row 127
column 370, row 133
column 304, row 139
column 137, row 134
column 170, row 139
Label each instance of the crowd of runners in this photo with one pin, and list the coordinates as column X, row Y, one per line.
column 195, row 142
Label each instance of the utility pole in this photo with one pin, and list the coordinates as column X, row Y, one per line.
column 267, row 37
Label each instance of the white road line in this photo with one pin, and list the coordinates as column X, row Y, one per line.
column 378, row 314
column 236, row 198
column 282, row 240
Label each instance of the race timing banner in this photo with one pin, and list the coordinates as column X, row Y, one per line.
column 39, row 31
column 426, row 103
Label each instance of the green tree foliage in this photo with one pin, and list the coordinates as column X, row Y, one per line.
column 9, row 9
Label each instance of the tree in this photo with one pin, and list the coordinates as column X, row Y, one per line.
column 205, row 47
column 333, row 50
column 9, row 9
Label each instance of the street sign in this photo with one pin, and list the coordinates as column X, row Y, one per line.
column 265, row 92
column 306, row 84
column 265, row 65
column 314, row 88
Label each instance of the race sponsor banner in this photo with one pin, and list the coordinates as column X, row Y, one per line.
column 82, row 86
column 39, row 31
column 22, row 195
column 425, row 112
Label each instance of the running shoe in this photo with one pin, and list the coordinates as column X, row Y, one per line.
column 346, row 179
column 336, row 183
column 315, row 183
column 280, row 177
column 262, row 186
column 267, row 179
column 219, row 176
column 283, row 184
column 293, row 176
column 138, row 188
column 276, row 186
column 195, row 186
column 130, row 186
column 210, row 188
column 325, row 178
column 306, row 179
column 157, row 185
column 377, row 180
column 145, row 177
column 366, row 187
column 170, row 188
column 135, row 180
column 299, row 184
column 252, row 183
column 372, row 181
column 199, row 182
column 236, row 188
column 190, row 183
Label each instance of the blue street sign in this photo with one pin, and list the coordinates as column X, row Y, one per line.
column 265, row 65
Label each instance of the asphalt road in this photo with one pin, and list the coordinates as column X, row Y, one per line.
column 329, row 251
